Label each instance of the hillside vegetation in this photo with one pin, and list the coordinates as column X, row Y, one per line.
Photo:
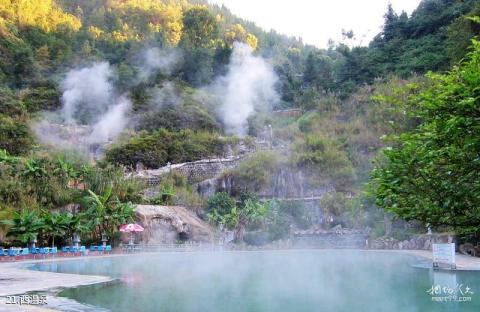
column 165, row 60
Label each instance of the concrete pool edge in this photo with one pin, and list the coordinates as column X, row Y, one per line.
column 463, row 262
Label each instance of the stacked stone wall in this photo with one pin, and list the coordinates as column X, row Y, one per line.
column 194, row 171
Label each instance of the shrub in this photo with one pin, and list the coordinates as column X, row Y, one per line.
column 98, row 179
column 42, row 98
column 221, row 202
column 162, row 146
column 335, row 203
column 15, row 136
column 9, row 104
column 256, row 171
column 325, row 162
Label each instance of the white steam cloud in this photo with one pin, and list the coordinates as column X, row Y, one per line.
column 112, row 123
column 249, row 85
column 155, row 60
column 88, row 89
column 91, row 113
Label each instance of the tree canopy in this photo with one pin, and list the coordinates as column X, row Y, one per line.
column 431, row 173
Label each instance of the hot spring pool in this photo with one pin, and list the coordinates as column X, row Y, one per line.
column 313, row 280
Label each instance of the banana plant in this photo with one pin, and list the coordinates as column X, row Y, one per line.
column 56, row 224
column 33, row 169
column 76, row 224
column 105, row 213
column 66, row 169
column 8, row 159
column 25, row 225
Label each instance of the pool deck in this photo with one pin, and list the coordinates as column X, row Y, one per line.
column 17, row 279
column 463, row 262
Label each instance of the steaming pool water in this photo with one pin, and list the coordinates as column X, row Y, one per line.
column 309, row 280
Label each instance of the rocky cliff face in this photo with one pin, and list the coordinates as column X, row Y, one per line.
column 284, row 184
column 169, row 224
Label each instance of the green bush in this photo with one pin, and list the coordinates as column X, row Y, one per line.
column 324, row 161
column 221, row 202
column 98, row 179
column 162, row 146
column 335, row 204
column 9, row 104
column 15, row 135
column 430, row 173
column 306, row 122
column 175, row 107
column 42, row 98
column 256, row 171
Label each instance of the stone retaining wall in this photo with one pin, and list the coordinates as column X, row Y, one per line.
column 420, row 242
column 206, row 169
column 194, row 171
column 331, row 240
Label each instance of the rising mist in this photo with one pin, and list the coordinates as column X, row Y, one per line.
column 248, row 86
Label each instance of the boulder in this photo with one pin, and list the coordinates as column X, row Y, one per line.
column 169, row 224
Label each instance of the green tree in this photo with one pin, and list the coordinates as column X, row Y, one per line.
column 76, row 224
column 198, row 66
column 15, row 135
column 55, row 225
column 25, row 225
column 200, row 28
column 251, row 212
column 430, row 174
column 222, row 210
column 390, row 25
column 319, row 71
column 460, row 33
column 9, row 104
column 220, row 203
column 104, row 213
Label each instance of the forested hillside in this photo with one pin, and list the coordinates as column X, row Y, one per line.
column 157, row 81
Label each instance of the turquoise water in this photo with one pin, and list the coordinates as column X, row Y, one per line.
column 315, row 280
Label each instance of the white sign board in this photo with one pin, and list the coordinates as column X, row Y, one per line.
column 444, row 254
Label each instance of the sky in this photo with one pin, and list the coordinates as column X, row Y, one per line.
column 317, row 21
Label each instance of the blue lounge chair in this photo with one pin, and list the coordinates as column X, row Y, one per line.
column 24, row 251
column 82, row 250
column 42, row 252
column 11, row 252
column 33, row 251
column 93, row 248
column 108, row 248
column 53, row 251
column 73, row 249
column 1, row 251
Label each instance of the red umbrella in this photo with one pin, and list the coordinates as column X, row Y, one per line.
column 131, row 228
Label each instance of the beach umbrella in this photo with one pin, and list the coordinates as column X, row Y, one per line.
column 131, row 228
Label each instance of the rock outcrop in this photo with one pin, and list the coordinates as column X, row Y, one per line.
column 169, row 224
